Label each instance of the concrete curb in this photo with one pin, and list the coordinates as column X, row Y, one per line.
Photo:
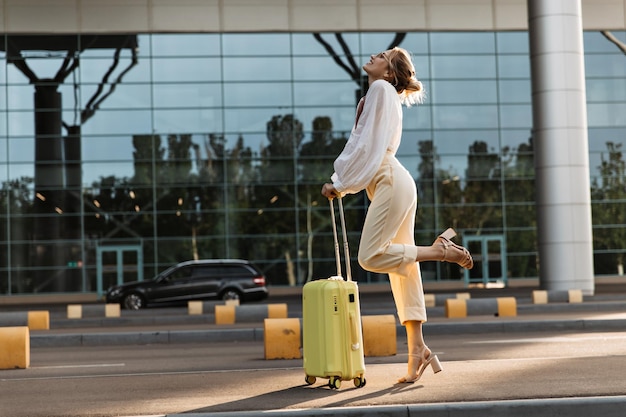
column 571, row 407
column 257, row 333
column 146, row 337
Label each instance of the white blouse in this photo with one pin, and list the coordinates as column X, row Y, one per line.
column 377, row 132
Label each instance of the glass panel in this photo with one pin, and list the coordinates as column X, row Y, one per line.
column 514, row 116
column 258, row 69
column 462, row 42
column 201, row 69
column 325, row 94
column 256, row 44
column 454, row 148
column 604, row 65
column 606, row 115
column 516, row 138
column 417, row 117
column 514, row 91
column 598, row 137
column 463, row 67
column 259, row 94
column 117, row 122
column 126, row 96
column 183, row 45
column 465, row 117
column 187, row 120
column 319, row 68
column 513, row 66
column 607, row 90
column 20, row 124
column 21, row 150
column 177, row 95
column 459, row 92
column 252, row 120
column 417, row 44
column 596, row 42
column 512, row 42
column 92, row 71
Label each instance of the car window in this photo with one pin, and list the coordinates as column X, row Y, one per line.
column 224, row 271
column 181, row 274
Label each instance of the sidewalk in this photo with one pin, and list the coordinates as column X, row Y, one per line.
column 603, row 312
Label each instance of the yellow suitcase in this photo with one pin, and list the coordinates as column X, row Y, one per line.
column 331, row 323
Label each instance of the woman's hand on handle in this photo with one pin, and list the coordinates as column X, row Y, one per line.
column 329, row 191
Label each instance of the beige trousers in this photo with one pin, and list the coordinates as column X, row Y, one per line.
column 388, row 242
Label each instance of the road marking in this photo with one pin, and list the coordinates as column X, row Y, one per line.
column 95, row 365
column 548, row 339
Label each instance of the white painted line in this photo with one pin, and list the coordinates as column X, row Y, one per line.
column 560, row 339
column 96, row 365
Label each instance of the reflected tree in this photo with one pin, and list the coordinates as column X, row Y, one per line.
column 16, row 199
column 609, row 210
column 521, row 218
column 350, row 65
column 483, row 194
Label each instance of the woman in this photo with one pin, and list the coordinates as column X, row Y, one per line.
column 368, row 162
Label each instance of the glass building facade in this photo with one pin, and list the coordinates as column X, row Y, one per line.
column 121, row 155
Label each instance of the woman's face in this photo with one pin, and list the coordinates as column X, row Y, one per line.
column 378, row 66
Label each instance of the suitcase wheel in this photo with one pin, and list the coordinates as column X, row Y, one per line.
column 359, row 382
column 334, row 382
column 310, row 379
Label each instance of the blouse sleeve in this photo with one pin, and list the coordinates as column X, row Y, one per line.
column 360, row 159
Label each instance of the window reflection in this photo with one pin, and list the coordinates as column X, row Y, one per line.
column 217, row 144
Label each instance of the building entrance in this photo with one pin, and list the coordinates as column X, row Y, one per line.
column 117, row 264
column 490, row 266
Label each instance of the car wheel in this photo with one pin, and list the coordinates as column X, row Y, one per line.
column 231, row 294
column 134, row 301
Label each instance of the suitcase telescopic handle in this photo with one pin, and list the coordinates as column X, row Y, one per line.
column 344, row 234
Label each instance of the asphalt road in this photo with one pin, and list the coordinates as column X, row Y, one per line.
column 234, row 377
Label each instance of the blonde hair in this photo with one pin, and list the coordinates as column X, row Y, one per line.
column 407, row 85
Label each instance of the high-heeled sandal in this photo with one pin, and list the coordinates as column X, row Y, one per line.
column 425, row 361
column 459, row 255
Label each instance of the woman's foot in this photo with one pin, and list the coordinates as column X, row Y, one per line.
column 418, row 362
column 452, row 252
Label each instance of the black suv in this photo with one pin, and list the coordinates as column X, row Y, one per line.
column 193, row 280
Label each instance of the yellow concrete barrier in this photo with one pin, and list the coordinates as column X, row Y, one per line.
column 225, row 314
column 557, row 296
column 14, row 347
column 231, row 314
column 39, row 320
column 434, row 300
column 499, row 307
column 79, row 311
column 575, row 296
column 34, row 320
column 195, row 308
column 540, row 297
column 199, row 307
column 507, row 306
column 379, row 335
column 282, row 338
column 275, row 311
column 455, row 308
column 74, row 311
column 112, row 310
